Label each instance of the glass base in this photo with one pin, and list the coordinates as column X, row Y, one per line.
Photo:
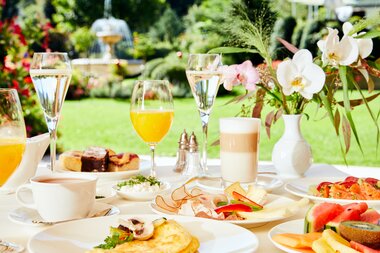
column 6, row 191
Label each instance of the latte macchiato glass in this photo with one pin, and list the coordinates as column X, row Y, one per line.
column 60, row 197
column 239, row 149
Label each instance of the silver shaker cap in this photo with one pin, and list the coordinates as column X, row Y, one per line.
column 193, row 144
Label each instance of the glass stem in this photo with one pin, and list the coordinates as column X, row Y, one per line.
column 53, row 145
column 204, row 119
column 153, row 164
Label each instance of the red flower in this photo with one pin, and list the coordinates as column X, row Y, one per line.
column 27, row 79
column 25, row 92
column 16, row 84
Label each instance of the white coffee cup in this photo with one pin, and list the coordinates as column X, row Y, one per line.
column 60, row 196
column 239, row 148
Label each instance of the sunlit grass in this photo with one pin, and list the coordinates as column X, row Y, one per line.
column 106, row 122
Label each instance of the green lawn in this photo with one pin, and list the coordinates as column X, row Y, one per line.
column 106, row 122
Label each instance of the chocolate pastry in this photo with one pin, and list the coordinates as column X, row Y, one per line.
column 95, row 159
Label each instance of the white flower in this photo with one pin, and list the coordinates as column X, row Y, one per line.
column 301, row 75
column 365, row 45
column 335, row 52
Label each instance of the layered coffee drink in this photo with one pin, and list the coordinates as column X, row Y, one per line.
column 239, row 149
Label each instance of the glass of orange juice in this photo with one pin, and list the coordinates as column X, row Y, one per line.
column 12, row 134
column 152, row 112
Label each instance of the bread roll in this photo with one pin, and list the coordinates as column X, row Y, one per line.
column 71, row 160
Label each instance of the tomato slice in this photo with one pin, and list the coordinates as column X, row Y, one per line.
column 321, row 185
column 371, row 180
column 351, row 179
column 348, row 184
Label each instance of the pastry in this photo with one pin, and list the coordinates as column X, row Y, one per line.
column 71, row 160
column 95, row 159
column 123, row 162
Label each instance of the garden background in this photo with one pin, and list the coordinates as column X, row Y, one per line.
column 96, row 112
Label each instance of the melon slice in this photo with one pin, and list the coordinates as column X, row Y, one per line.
column 370, row 216
column 349, row 214
column 319, row 214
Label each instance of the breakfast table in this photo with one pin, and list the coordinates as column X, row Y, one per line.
column 20, row 234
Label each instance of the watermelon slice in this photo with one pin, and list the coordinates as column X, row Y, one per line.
column 319, row 214
column 370, row 216
column 347, row 214
column 361, row 207
column 351, row 212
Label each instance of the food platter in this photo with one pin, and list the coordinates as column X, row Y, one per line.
column 79, row 236
column 300, row 188
column 273, row 201
column 294, row 226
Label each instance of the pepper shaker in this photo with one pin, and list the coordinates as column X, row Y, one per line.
column 193, row 166
column 181, row 153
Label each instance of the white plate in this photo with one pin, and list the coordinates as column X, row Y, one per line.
column 267, row 182
column 294, row 226
column 272, row 201
column 79, row 236
column 25, row 216
column 107, row 192
column 142, row 196
column 301, row 188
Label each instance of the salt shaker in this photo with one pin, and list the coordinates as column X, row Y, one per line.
column 193, row 160
column 181, row 153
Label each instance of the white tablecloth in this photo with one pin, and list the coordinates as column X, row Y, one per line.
column 17, row 233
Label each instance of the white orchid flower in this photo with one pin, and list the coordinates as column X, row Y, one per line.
column 335, row 52
column 365, row 45
column 300, row 75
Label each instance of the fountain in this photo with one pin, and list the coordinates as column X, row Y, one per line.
column 110, row 31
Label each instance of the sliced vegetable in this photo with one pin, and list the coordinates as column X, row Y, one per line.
column 233, row 208
column 239, row 197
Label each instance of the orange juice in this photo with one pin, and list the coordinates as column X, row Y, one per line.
column 11, row 151
column 152, row 125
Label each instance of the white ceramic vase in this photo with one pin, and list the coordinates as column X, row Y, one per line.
column 292, row 155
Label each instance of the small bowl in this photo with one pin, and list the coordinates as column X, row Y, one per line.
column 142, row 196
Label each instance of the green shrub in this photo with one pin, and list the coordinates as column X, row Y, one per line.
column 171, row 68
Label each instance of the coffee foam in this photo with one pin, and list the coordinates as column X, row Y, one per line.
column 239, row 125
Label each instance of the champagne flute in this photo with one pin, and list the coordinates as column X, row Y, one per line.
column 51, row 74
column 152, row 113
column 12, row 135
column 204, row 79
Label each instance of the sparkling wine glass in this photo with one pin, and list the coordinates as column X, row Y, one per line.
column 51, row 74
column 152, row 113
column 204, row 79
column 12, row 135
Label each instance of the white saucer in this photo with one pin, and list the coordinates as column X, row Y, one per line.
column 25, row 216
column 267, row 182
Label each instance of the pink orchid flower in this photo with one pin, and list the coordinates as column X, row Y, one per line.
column 236, row 74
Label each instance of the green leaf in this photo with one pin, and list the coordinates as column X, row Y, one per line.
column 363, row 24
column 365, row 100
column 327, row 105
column 231, row 50
column 369, row 35
column 346, row 103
